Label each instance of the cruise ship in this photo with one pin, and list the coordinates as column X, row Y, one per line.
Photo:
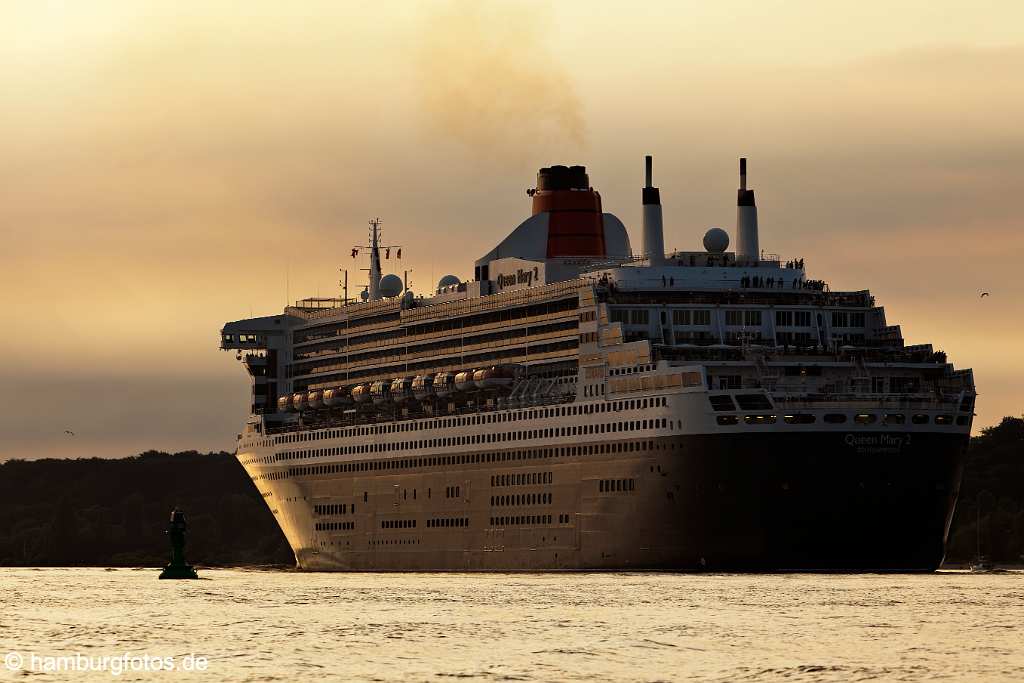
column 582, row 405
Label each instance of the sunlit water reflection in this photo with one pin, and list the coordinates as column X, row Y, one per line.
column 290, row 626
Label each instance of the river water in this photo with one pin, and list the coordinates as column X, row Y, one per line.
column 239, row 625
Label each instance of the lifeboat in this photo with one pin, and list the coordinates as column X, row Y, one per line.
column 444, row 384
column 494, row 377
column 337, row 396
column 284, row 404
column 422, row 386
column 299, row 401
column 380, row 392
column 361, row 393
column 313, row 399
column 464, row 381
column 401, row 389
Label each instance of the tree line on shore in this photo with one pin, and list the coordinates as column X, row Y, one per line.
column 990, row 509
column 111, row 512
column 107, row 512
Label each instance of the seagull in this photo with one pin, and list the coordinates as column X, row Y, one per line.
column 983, row 295
column 69, row 432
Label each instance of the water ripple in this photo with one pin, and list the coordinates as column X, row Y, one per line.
column 261, row 625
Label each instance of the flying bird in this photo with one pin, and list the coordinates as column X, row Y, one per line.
column 983, row 295
column 69, row 432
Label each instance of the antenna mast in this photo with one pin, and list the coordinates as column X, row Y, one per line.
column 344, row 284
column 373, row 292
column 374, row 288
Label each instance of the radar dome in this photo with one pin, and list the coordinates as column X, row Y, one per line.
column 448, row 281
column 716, row 240
column 390, row 285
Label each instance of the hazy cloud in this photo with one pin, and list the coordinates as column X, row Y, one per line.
column 488, row 78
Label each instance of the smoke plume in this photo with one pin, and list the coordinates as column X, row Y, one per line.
column 487, row 78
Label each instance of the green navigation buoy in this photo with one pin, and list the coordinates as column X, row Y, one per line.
column 177, row 569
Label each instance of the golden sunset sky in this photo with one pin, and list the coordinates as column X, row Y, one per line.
column 167, row 167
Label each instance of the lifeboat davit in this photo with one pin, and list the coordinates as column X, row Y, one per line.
column 464, row 381
column 361, row 393
column 422, row 386
column 299, row 401
column 380, row 392
column 313, row 399
column 494, row 377
column 284, row 404
column 338, row 396
column 401, row 389
column 444, row 384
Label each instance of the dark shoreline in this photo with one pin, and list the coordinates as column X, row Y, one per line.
column 113, row 512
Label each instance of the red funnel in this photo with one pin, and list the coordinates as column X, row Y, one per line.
column 575, row 225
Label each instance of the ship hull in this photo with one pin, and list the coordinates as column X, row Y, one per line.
column 778, row 501
column 836, row 501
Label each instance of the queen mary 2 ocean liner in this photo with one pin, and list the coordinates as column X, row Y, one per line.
column 577, row 405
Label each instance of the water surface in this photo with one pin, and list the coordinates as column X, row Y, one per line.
column 291, row 626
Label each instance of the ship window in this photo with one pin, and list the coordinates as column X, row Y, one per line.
column 835, row 418
column 638, row 316
column 753, row 402
column 943, row 419
column 728, row 420
column 722, row 403
column 801, row 419
column 894, row 419
column 963, row 420
column 865, row 418
column 759, row 419
column 919, row 419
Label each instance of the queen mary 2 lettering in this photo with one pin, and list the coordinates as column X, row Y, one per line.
column 583, row 405
column 522, row 277
column 878, row 443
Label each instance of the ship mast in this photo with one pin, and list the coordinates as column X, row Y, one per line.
column 374, row 287
column 373, row 291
